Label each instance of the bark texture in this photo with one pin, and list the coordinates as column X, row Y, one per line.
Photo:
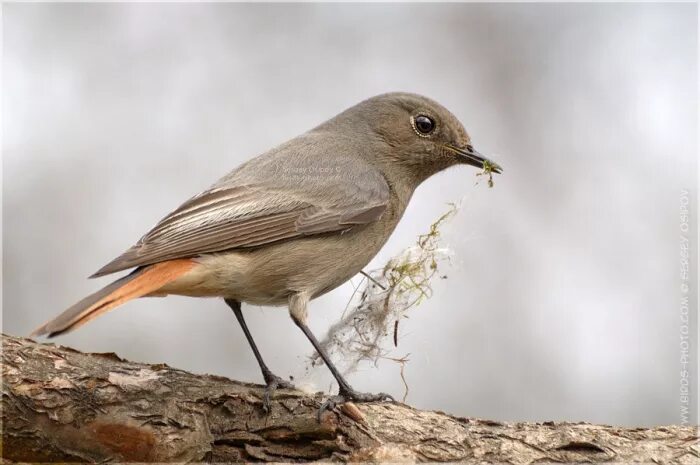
column 60, row 405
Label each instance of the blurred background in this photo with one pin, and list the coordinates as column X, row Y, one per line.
column 563, row 294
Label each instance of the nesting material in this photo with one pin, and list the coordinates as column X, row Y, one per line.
column 370, row 324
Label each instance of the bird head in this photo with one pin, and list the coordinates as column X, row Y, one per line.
column 412, row 134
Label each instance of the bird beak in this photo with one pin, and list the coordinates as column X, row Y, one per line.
column 471, row 157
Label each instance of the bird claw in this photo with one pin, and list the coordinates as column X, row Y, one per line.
column 348, row 395
column 273, row 383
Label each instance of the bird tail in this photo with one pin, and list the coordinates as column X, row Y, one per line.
column 139, row 283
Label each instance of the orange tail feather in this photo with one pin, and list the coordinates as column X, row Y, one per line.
column 140, row 282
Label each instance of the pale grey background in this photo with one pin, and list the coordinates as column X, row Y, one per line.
column 563, row 298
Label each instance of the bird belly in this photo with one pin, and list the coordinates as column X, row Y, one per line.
column 269, row 275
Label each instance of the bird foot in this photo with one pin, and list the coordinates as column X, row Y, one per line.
column 273, row 383
column 348, row 395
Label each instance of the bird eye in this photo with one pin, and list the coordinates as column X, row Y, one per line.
column 423, row 125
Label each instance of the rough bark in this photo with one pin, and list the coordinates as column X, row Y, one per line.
column 62, row 405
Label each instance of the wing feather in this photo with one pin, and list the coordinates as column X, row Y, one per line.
column 241, row 211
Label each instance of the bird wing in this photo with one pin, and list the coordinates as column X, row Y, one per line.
column 265, row 201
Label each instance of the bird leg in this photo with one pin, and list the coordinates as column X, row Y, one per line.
column 271, row 380
column 345, row 391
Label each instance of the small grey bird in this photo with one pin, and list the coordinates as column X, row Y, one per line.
column 294, row 222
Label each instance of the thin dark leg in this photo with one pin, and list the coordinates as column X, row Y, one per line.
column 343, row 385
column 236, row 307
column 345, row 391
column 273, row 381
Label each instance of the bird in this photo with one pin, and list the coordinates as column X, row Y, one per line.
column 292, row 223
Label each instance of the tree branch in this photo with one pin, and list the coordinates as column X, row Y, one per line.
column 62, row 405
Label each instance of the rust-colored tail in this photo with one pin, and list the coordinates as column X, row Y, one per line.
column 140, row 282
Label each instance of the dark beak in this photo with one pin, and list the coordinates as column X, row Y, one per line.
column 471, row 157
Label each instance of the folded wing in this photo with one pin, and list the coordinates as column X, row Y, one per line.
column 265, row 201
